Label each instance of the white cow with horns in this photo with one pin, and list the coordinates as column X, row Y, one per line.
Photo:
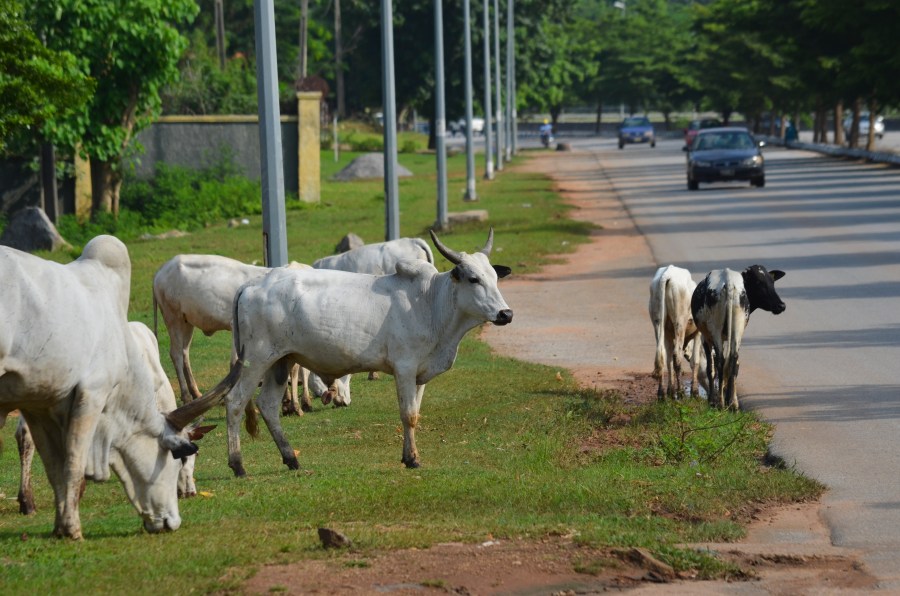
column 408, row 324
column 71, row 365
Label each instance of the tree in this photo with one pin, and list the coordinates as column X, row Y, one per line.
column 36, row 84
column 131, row 48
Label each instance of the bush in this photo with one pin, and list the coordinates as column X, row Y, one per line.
column 176, row 198
column 186, row 199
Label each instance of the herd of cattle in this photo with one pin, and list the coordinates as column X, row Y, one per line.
column 108, row 405
column 381, row 307
column 714, row 314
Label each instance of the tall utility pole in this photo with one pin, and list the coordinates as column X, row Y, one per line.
column 509, row 97
column 440, row 117
column 511, row 77
column 304, row 26
column 339, row 60
column 470, row 141
column 220, row 32
column 488, row 133
column 497, row 86
column 391, row 191
column 272, row 174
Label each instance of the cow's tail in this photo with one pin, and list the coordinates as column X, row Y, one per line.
column 251, row 420
column 659, row 365
column 155, row 321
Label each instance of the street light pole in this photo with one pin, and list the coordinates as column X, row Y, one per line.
column 274, row 229
column 470, row 148
column 510, row 98
column 440, row 117
column 488, row 133
column 391, row 191
column 498, row 84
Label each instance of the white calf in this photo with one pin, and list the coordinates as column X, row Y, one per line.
column 670, row 313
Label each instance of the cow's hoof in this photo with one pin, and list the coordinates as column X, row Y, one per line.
column 327, row 397
column 291, row 463
column 290, row 411
column 412, row 463
column 238, row 469
column 373, row 376
column 26, row 506
column 306, row 407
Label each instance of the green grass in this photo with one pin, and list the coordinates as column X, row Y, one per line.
column 500, row 440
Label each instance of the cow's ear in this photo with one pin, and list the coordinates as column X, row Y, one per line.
column 454, row 273
column 195, row 434
column 776, row 274
column 502, row 271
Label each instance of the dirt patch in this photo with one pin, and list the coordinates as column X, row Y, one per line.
column 587, row 315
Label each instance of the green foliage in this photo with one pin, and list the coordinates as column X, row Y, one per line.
column 694, row 433
column 131, row 49
column 36, row 84
column 204, row 88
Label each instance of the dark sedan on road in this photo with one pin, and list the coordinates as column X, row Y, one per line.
column 636, row 129
column 724, row 154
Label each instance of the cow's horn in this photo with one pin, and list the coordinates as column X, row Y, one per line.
column 489, row 245
column 181, row 417
column 449, row 254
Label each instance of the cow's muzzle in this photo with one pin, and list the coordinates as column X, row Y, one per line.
column 504, row 317
column 779, row 308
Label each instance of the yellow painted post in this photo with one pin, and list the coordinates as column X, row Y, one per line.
column 308, row 146
column 83, row 200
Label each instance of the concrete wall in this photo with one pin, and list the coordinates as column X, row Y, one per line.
column 200, row 141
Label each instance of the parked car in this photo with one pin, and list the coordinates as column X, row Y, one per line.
column 459, row 126
column 864, row 125
column 724, row 154
column 636, row 129
column 696, row 125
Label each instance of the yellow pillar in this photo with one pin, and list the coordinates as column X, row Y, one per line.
column 308, row 146
column 83, row 199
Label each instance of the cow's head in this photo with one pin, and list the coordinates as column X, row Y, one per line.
column 150, row 461
column 477, row 279
column 760, row 287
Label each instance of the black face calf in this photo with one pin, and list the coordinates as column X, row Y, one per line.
column 721, row 307
column 760, row 287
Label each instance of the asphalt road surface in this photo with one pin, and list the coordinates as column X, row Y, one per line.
column 827, row 371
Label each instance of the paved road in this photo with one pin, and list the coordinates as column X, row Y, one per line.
column 827, row 371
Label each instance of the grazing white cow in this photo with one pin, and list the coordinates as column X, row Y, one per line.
column 670, row 312
column 198, row 291
column 721, row 306
column 165, row 401
column 380, row 258
column 408, row 324
column 70, row 364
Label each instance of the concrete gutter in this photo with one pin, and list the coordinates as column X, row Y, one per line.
column 885, row 157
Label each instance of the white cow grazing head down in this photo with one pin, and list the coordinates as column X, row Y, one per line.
column 71, row 364
column 408, row 324
column 165, row 401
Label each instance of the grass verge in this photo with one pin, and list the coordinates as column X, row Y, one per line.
column 508, row 449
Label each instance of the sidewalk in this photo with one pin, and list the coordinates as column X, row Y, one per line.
column 589, row 315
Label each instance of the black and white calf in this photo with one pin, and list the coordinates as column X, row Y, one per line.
column 721, row 306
